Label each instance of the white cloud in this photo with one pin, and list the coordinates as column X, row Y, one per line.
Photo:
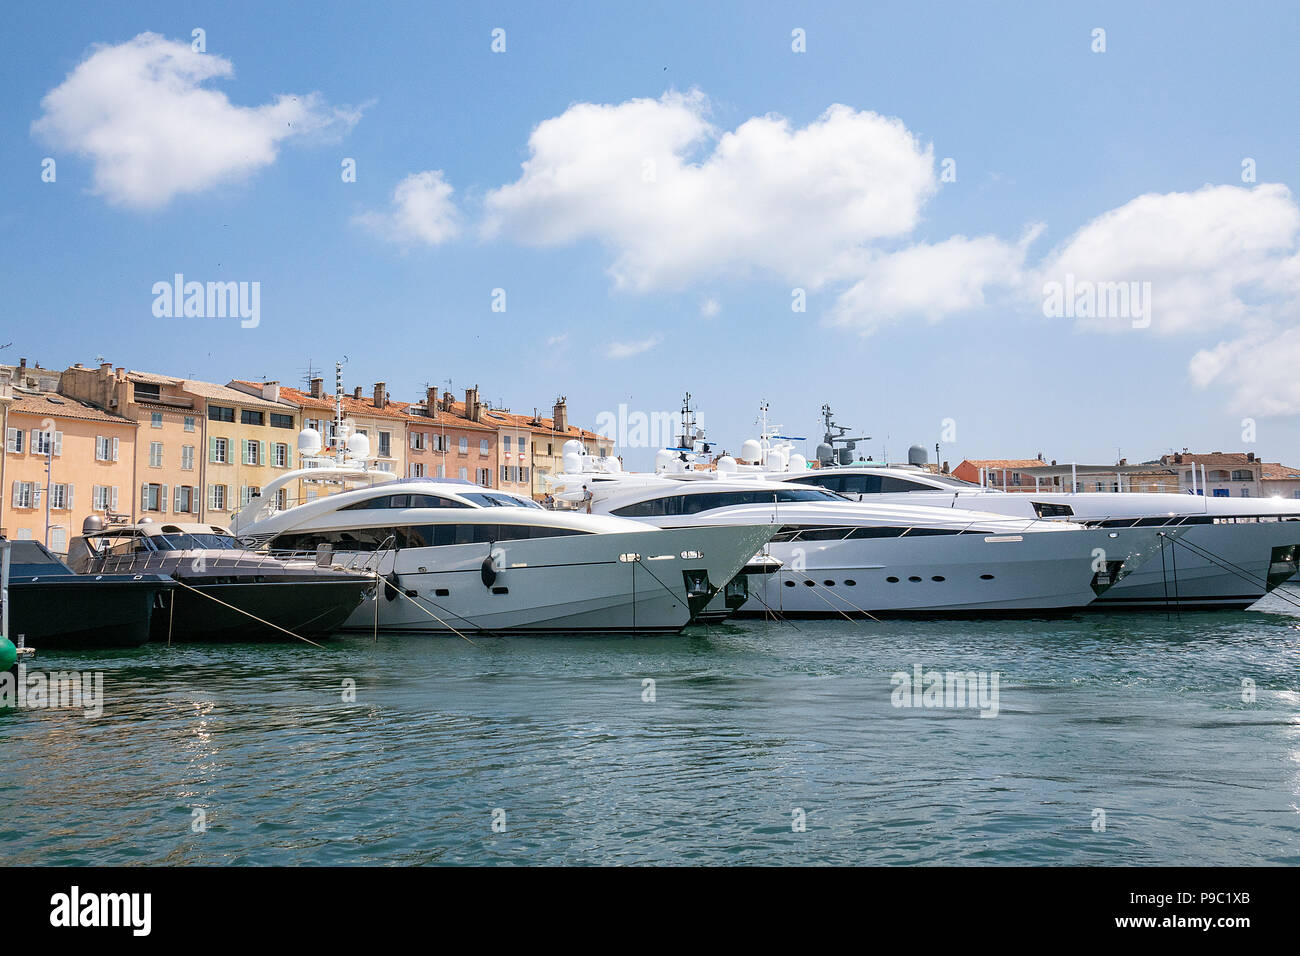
column 422, row 211
column 555, row 340
column 677, row 199
column 710, row 307
column 139, row 111
column 1259, row 370
column 622, row 350
column 929, row 281
column 1215, row 257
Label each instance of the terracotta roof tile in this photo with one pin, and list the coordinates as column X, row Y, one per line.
column 50, row 405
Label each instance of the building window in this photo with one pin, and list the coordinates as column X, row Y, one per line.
column 60, row 497
column 385, row 444
column 187, row 457
column 155, row 454
column 506, row 443
column 217, row 497
column 483, row 446
column 1242, row 474
column 189, row 423
column 485, row 477
column 220, row 413
column 24, row 494
column 281, row 421
column 415, row 470
column 280, row 455
column 146, row 391
column 104, row 498
column 151, row 497
column 442, row 471
column 249, row 417
column 418, row 440
column 252, row 452
column 105, row 448
column 504, row 472
column 218, row 451
column 155, row 419
column 464, row 473
column 247, row 494
column 43, row 443
column 14, row 440
column 1245, row 492
column 464, row 445
column 523, row 475
column 184, row 500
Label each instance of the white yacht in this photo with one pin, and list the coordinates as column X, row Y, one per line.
column 841, row 557
column 1231, row 552
column 459, row 557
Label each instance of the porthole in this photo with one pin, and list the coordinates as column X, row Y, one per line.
column 986, row 577
column 810, row 583
column 914, row 578
column 829, row 584
column 849, row 582
column 938, row 577
column 789, row 584
column 892, row 580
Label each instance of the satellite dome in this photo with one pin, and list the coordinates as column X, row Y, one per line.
column 309, row 441
column 751, row 450
column 798, row 462
column 916, row 455
column 571, row 447
column 726, row 465
column 358, row 445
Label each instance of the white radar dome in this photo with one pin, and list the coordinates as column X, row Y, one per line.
column 309, row 441
column 751, row 450
column 798, row 462
column 726, row 465
column 358, row 445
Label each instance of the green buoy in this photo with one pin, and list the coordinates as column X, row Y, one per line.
column 8, row 653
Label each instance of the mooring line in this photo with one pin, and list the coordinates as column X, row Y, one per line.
column 248, row 614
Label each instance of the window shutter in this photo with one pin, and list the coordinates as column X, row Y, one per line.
column 115, row 449
column 176, row 500
column 144, row 497
column 113, row 499
column 261, row 453
column 17, row 494
column 58, row 443
column 212, row 449
column 71, row 500
column 162, row 499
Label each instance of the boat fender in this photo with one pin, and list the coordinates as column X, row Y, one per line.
column 392, row 585
column 488, row 571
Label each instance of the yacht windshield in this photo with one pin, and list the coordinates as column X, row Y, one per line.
column 184, row 541
column 498, row 501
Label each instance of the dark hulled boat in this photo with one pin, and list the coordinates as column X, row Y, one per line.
column 224, row 592
column 50, row 606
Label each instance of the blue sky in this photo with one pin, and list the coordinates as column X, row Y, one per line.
column 1053, row 143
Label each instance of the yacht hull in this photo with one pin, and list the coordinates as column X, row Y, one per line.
column 86, row 611
column 963, row 575
column 632, row 582
column 258, row 610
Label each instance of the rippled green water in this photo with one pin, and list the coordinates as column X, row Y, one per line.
column 1137, row 715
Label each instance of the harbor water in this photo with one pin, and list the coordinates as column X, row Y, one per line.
column 1114, row 739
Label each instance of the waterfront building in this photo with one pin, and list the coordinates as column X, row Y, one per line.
column 203, row 449
column 63, row 460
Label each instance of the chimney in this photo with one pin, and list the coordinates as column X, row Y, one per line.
column 381, row 395
column 318, row 388
column 946, row 471
column 431, row 402
column 271, row 391
column 22, row 363
column 561, row 415
column 1123, row 461
column 471, row 404
column 1250, row 456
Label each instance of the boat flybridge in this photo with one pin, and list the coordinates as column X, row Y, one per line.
column 1230, row 553
column 460, row 557
column 843, row 557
